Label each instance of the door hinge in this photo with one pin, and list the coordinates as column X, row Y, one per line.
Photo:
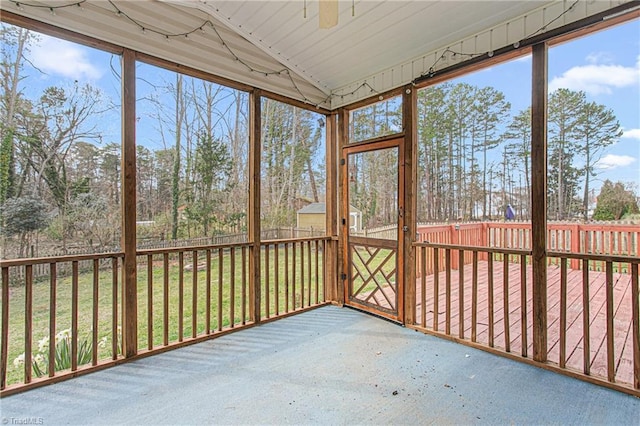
column 343, row 276
column 344, row 221
column 342, row 162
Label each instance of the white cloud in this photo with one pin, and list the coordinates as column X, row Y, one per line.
column 55, row 56
column 599, row 58
column 597, row 78
column 612, row 161
column 631, row 133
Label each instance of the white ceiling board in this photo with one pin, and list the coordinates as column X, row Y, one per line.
column 386, row 44
column 380, row 33
column 505, row 33
column 201, row 50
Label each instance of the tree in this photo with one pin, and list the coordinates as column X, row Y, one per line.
column 23, row 216
column 431, row 151
column 287, row 146
column 15, row 43
column 212, row 167
column 89, row 215
column 7, row 166
column 596, row 130
column 564, row 112
column 519, row 130
column 492, row 110
column 615, row 201
column 180, row 113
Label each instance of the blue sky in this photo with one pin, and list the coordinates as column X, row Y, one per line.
column 606, row 65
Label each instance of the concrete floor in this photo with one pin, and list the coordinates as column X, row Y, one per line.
column 327, row 366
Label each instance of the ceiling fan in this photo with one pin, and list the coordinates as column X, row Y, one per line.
column 328, row 13
column 328, row 16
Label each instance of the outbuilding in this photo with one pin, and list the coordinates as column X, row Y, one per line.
column 312, row 216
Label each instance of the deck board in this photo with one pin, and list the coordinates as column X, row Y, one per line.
column 623, row 331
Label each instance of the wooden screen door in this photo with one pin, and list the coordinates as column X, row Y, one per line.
column 371, row 218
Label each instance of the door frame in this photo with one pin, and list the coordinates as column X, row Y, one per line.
column 393, row 141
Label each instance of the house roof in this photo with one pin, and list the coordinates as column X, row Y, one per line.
column 313, row 208
column 320, row 208
column 376, row 46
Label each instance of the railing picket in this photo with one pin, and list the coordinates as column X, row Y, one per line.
column 286, row 277
column 293, row 276
column 317, row 265
column 505, row 299
column 563, row 312
column 180, row 296
column 461, row 293
column 5, row 327
column 53, row 284
column 447, row 262
column 302, row 275
column 28, row 321
column 165, row 299
column 220, row 282
column 267, row 273
column 94, row 312
column 309, row 281
column 207, row 290
column 635, row 301
column 232, row 287
column 276, row 278
column 244, row 285
column 586, row 318
column 611, row 374
column 150, row 301
column 194, row 294
column 423, row 286
column 523, row 304
column 436, row 288
column 490, row 299
column 114, row 309
column 474, row 297
column 74, row 316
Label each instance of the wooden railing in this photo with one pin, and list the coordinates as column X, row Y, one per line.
column 73, row 313
column 184, row 295
column 591, row 238
column 593, row 319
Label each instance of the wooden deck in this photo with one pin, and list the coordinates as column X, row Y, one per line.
column 448, row 320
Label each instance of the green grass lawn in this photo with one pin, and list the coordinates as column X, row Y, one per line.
column 226, row 295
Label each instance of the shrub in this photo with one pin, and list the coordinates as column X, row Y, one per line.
column 40, row 358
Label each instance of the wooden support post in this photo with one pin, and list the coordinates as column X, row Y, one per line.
column 484, row 240
column 407, row 223
column 575, row 245
column 253, row 225
column 343, row 202
column 539, row 199
column 331, row 277
column 455, row 240
column 128, row 239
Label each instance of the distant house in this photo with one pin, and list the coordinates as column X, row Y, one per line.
column 313, row 216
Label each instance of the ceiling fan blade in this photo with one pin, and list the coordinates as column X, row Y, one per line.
column 328, row 17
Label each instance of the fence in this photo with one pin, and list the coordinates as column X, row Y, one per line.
column 41, row 270
column 599, row 239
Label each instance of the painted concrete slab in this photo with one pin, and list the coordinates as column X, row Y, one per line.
column 327, row 366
